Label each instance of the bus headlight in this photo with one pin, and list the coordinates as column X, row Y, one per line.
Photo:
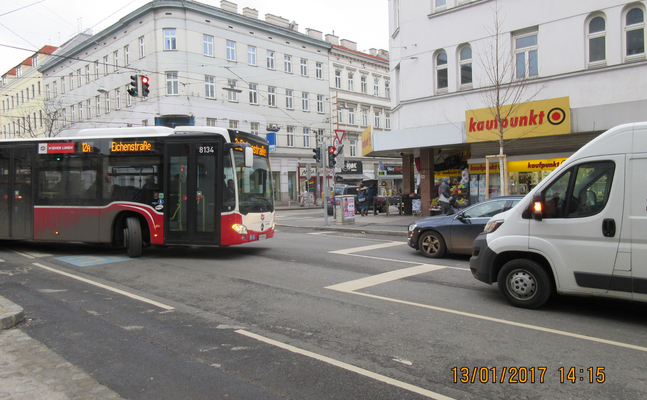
column 240, row 229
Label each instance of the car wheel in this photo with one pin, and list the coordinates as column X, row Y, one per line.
column 525, row 283
column 432, row 244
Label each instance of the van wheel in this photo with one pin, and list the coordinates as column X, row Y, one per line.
column 525, row 283
column 133, row 237
column 431, row 244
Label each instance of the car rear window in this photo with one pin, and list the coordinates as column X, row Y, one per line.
column 352, row 190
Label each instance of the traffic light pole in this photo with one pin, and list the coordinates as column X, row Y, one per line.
column 326, row 191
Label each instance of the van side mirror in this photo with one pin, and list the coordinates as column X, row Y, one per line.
column 537, row 207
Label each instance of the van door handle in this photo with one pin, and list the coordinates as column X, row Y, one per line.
column 609, row 227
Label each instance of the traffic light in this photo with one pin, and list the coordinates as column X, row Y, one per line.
column 332, row 156
column 317, row 155
column 145, row 90
column 134, row 86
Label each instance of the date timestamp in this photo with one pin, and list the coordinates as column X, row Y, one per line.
column 526, row 374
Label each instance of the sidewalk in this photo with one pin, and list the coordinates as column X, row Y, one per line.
column 30, row 370
column 381, row 224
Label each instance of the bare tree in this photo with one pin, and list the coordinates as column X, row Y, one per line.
column 48, row 119
column 506, row 90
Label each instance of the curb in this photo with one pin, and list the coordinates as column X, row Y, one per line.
column 353, row 230
column 10, row 314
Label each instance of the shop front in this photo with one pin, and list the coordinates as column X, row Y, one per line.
column 312, row 184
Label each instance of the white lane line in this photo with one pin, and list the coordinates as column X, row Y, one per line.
column 378, row 279
column 32, row 254
column 112, row 289
column 346, row 366
column 351, row 286
column 367, row 248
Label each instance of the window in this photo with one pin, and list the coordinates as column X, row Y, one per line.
column 377, row 119
column 170, row 40
column 54, row 85
column 87, row 73
column 526, row 55
column 465, row 65
column 290, row 136
column 34, row 61
column 306, row 137
column 142, row 48
column 376, row 87
column 364, row 117
column 211, row 121
column 287, row 62
column 304, row 67
column 388, row 121
column 251, row 55
column 319, row 70
column 80, row 107
column 288, row 99
column 97, row 101
column 19, row 71
column 233, row 124
column 353, row 147
column 363, row 84
column 71, row 80
column 635, row 34
column 88, row 108
column 387, row 89
column 271, row 96
column 583, row 196
column 253, row 128
column 115, row 59
column 231, row 50
column 207, row 45
column 117, row 99
column 129, row 99
column 62, row 88
column 305, row 101
column 440, row 5
column 338, row 79
column 126, row 55
column 232, row 94
column 320, row 103
column 253, row 93
column 597, row 41
column 105, row 65
column 351, row 86
column 107, row 97
column 441, row 72
column 270, row 59
column 351, row 116
column 172, row 83
column 209, row 87
column 79, row 79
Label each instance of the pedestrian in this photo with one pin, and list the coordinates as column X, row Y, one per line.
column 362, row 200
column 371, row 195
column 445, row 197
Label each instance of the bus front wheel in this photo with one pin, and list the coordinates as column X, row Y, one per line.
column 133, row 237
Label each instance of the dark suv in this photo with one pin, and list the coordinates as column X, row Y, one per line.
column 342, row 190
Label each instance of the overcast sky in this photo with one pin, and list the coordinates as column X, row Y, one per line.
column 31, row 24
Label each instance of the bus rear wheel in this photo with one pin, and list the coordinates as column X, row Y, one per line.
column 133, row 237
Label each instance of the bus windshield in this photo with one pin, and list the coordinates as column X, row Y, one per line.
column 254, row 184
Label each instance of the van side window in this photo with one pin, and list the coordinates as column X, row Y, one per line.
column 581, row 191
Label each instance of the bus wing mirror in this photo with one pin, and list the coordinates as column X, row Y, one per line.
column 249, row 156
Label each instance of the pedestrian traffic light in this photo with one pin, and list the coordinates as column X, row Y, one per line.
column 317, row 155
column 145, row 90
column 332, row 156
column 134, row 86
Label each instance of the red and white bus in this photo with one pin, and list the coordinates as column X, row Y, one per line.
column 133, row 187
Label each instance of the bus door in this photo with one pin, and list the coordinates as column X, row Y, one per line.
column 16, row 208
column 191, row 211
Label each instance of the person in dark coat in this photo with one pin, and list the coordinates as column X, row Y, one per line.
column 445, row 197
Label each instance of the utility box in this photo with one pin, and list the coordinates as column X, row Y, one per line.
column 345, row 209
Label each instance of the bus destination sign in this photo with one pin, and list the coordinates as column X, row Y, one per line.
column 259, row 149
column 55, row 148
column 117, row 147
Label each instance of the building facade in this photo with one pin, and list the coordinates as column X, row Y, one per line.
column 574, row 68
column 209, row 66
column 22, row 105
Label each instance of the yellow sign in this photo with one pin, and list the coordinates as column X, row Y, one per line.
column 520, row 166
column 257, row 149
column 480, row 168
column 449, row 172
column 367, row 141
column 532, row 119
column 137, row 146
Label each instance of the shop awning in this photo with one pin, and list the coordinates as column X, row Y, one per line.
column 351, row 177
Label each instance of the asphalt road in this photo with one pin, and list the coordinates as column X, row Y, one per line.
column 315, row 315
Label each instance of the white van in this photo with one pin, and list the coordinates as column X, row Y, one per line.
column 582, row 230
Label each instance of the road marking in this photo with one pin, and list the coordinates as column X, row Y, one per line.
column 346, row 366
column 31, row 254
column 351, row 286
column 112, row 289
column 367, row 248
column 86, row 261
